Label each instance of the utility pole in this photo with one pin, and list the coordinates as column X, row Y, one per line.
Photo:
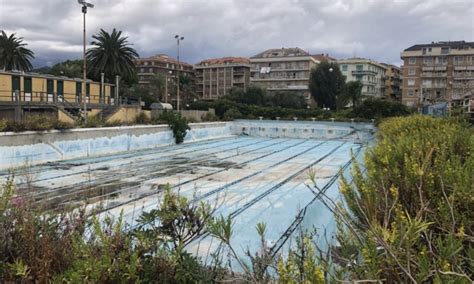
column 178, row 39
column 85, row 5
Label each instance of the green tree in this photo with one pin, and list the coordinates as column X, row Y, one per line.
column 157, row 87
column 378, row 108
column 186, row 90
column 112, row 55
column 254, row 95
column 288, row 100
column 68, row 68
column 352, row 93
column 13, row 53
column 326, row 84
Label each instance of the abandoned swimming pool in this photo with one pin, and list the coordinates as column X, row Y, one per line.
column 254, row 171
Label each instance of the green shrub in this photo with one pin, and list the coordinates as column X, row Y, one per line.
column 61, row 125
column 36, row 122
column 232, row 114
column 3, row 124
column 142, row 118
column 72, row 248
column 93, row 122
column 176, row 123
column 377, row 108
column 410, row 216
column 209, row 116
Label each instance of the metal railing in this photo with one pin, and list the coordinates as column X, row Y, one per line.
column 70, row 99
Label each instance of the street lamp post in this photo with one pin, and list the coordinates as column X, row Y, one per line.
column 167, row 78
column 178, row 40
column 85, row 5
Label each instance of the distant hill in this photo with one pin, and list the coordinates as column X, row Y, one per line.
column 43, row 70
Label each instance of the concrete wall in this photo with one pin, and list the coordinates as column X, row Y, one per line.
column 125, row 115
column 304, row 129
column 30, row 148
column 65, row 118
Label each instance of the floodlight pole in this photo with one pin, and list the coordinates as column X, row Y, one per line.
column 178, row 39
column 85, row 5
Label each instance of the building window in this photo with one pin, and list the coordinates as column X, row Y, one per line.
column 441, row 60
column 142, row 70
column 145, row 63
column 427, row 83
column 428, row 60
column 344, row 67
column 359, row 67
column 411, row 82
column 458, row 59
column 411, row 71
column 411, row 93
column 412, row 60
column 444, row 50
column 359, row 77
column 150, row 70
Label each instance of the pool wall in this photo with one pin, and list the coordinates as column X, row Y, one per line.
column 303, row 129
column 31, row 148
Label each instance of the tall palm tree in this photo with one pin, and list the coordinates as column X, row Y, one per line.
column 13, row 53
column 112, row 55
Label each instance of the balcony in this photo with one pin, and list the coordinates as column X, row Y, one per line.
column 364, row 72
column 463, row 76
column 434, row 74
column 438, row 64
column 282, row 69
column 280, row 79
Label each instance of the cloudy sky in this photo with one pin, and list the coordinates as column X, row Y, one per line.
column 377, row 29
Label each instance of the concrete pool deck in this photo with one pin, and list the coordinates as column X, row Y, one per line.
column 261, row 176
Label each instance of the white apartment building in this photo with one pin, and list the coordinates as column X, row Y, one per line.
column 370, row 73
column 283, row 70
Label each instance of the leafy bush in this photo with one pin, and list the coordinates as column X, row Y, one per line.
column 142, row 118
column 377, row 108
column 36, row 122
column 177, row 124
column 232, row 114
column 410, row 216
column 3, row 124
column 287, row 100
column 93, row 122
column 71, row 248
column 209, row 116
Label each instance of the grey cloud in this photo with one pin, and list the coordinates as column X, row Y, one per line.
column 377, row 29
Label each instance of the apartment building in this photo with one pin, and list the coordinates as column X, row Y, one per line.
column 160, row 64
column 370, row 73
column 214, row 77
column 283, row 70
column 439, row 72
column 393, row 80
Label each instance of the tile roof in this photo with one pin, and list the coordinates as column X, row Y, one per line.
column 164, row 58
column 224, row 60
column 323, row 57
column 452, row 44
column 282, row 52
